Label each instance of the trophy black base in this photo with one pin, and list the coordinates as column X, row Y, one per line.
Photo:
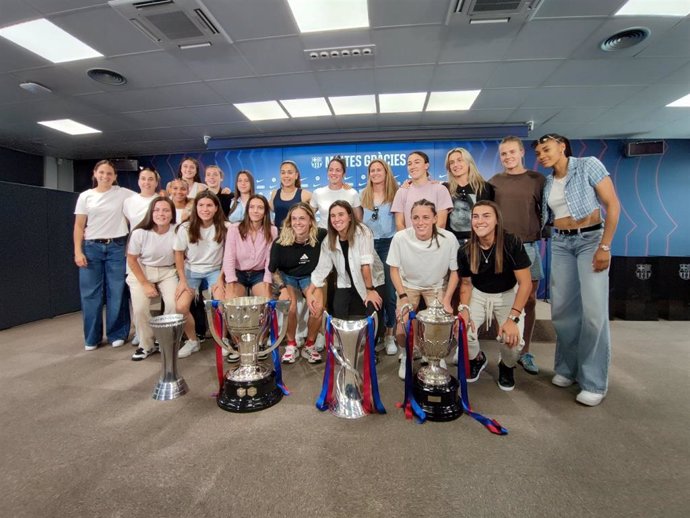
column 440, row 403
column 249, row 396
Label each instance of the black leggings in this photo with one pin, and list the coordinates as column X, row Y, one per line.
column 348, row 305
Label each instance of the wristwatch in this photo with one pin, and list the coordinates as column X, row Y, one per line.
column 514, row 318
column 605, row 248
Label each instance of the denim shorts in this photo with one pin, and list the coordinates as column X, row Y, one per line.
column 299, row 283
column 250, row 278
column 203, row 280
column 534, row 253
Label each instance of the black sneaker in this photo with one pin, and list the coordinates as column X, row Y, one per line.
column 141, row 354
column 506, row 378
column 476, row 367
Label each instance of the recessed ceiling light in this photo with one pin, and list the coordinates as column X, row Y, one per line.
column 330, row 15
column 399, row 103
column 48, row 41
column 482, row 21
column 312, row 107
column 683, row 102
column 353, row 104
column 451, row 101
column 69, row 126
column 261, row 111
column 655, row 8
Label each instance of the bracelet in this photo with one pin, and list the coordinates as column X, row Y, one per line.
column 463, row 307
column 402, row 295
column 370, row 288
column 518, row 310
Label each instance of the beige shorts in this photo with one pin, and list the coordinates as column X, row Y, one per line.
column 414, row 296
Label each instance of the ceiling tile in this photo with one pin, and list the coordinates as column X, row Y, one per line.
column 501, row 98
column 386, row 13
column 216, row 62
column 196, row 94
column 407, row 45
column 568, row 8
column 186, row 116
column 522, row 73
column 675, row 42
column 628, row 71
column 477, row 42
column 253, row 19
column 248, row 89
column 462, row 76
column 404, row 79
column 62, row 81
column 579, row 96
column 275, row 55
column 542, row 39
column 347, row 82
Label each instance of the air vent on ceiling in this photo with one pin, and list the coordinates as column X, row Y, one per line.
column 107, row 77
column 478, row 11
column 180, row 24
column 625, row 39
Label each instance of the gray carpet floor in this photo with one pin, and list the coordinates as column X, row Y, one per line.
column 81, row 436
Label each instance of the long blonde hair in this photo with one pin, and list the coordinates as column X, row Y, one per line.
column 287, row 234
column 475, row 179
column 391, row 185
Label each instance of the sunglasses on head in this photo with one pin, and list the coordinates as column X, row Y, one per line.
column 375, row 214
column 546, row 138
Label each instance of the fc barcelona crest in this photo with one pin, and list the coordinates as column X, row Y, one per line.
column 643, row 271
column 684, row 271
column 316, row 162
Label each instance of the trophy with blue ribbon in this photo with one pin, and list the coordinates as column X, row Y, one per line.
column 347, row 392
column 250, row 321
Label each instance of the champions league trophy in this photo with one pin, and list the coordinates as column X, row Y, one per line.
column 435, row 390
column 167, row 330
column 249, row 320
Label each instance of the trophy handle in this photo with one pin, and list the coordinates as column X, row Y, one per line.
column 282, row 307
column 404, row 310
column 210, row 316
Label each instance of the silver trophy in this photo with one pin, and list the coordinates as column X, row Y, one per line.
column 349, row 338
column 252, row 385
column 435, row 389
column 168, row 332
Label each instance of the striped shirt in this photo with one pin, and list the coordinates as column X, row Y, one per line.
column 584, row 174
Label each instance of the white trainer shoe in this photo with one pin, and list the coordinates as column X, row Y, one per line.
column 118, row 343
column 561, row 381
column 189, row 347
column 589, row 398
column 391, row 346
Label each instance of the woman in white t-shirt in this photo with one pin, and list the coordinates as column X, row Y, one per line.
column 151, row 261
column 421, row 258
column 323, row 197
column 136, row 207
column 100, row 237
column 198, row 259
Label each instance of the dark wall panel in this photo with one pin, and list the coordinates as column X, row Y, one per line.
column 36, row 270
column 19, row 167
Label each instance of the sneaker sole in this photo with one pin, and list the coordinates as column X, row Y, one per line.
column 504, row 388
column 472, row 380
column 139, row 358
column 563, row 384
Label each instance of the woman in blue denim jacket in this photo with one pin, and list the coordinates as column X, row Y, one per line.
column 581, row 256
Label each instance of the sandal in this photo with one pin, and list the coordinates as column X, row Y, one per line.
column 290, row 354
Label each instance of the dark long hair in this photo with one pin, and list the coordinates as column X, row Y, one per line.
column 298, row 181
column 195, row 221
column 236, row 196
column 351, row 228
column 197, row 176
column 147, row 223
column 434, row 229
column 472, row 247
column 245, row 224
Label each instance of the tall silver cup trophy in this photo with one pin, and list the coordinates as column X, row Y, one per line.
column 349, row 338
column 168, row 332
column 252, row 385
column 435, row 389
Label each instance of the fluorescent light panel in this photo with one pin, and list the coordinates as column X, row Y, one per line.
column 329, row 15
column 69, row 126
column 401, row 103
column 261, row 111
column 483, row 21
column 48, row 41
column 452, row 101
column 353, row 104
column 655, row 8
column 312, row 107
column 683, row 102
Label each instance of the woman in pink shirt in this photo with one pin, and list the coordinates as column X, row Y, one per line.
column 247, row 251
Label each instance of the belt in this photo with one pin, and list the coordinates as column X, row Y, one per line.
column 108, row 241
column 573, row 231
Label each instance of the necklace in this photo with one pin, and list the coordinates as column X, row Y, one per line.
column 486, row 256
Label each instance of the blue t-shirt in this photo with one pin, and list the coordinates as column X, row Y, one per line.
column 381, row 221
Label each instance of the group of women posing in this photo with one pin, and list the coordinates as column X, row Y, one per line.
column 385, row 247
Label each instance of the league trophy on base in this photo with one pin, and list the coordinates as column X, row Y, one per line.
column 167, row 330
column 249, row 321
column 346, row 392
column 434, row 388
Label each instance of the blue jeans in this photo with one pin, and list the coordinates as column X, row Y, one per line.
column 382, row 246
column 580, row 311
column 299, row 283
column 204, row 281
column 533, row 252
column 103, row 281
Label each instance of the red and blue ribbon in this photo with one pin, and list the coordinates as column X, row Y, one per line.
column 220, row 331
column 325, row 397
column 274, row 333
column 409, row 404
column 371, row 397
column 463, row 367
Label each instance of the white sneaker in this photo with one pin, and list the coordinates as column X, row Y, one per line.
column 189, row 347
column 90, row 347
column 135, row 340
column 561, row 381
column 401, row 369
column 320, row 342
column 391, row 346
column 589, row 398
column 118, row 343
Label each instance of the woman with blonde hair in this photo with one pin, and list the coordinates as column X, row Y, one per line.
column 377, row 197
column 466, row 187
column 294, row 257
